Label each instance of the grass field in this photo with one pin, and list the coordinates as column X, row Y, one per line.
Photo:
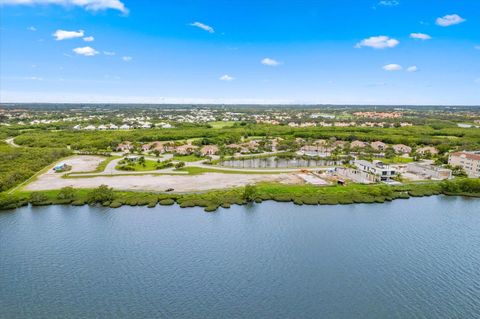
column 395, row 160
column 187, row 158
column 148, row 165
column 221, row 124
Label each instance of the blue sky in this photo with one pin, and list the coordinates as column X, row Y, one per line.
column 262, row 51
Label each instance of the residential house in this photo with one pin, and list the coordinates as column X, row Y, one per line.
column 185, row 149
column 427, row 150
column 469, row 161
column 316, row 150
column 125, row 146
column 339, row 144
column 275, row 142
column 379, row 146
column 378, row 171
column 209, row 150
column 358, row 144
column 401, row 149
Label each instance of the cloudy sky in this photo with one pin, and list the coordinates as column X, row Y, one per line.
column 241, row 51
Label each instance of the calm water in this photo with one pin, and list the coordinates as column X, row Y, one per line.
column 274, row 162
column 417, row 258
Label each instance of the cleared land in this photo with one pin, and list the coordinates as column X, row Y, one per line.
column 150, row 182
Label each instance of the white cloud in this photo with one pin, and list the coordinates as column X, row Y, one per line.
column 33, row 29
column 477, row 47
column 64, row 35
column 91, row 5
column 227, row 78
column 89, row 39
column 270, row 62
column 392, row 67
column 203, row 26
column 109, row 53
column 449, row 19
column 127, row 58
column 412, row 68
column 86, row 51
column 378, row 42
column 33, row 78
column 420, row 36
column 389, row 3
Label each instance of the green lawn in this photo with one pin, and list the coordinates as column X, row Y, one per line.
column 187, row 158
column 395, row 160
column 221, row 124
column 148, row 165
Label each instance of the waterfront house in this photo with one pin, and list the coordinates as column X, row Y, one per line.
column 379, row 171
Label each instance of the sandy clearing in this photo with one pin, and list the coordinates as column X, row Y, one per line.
column 160, row 183
column 148, row 182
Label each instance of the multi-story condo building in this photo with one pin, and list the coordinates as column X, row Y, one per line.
column 469, row 161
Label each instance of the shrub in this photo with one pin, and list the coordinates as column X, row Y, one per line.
column 101, row 194
column 115, row 204
column 249, row 193
column 179, row 165
column 166, row 201
column 38, row 198
column 66, row 193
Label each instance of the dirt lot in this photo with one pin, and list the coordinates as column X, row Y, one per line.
column 180, row 183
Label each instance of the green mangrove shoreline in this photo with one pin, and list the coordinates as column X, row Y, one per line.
column 212, row 200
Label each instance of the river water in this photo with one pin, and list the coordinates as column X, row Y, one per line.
column 416, row 258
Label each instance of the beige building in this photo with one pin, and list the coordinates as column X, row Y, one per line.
column 358, row 144
column 427, row 149
column 469, row 161
column 209, row 150
column 379, row 146
column 401, row 149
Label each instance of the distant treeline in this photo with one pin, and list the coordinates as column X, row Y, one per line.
column 444, row 138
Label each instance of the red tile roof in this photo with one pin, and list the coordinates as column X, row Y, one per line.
column 471, row 156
